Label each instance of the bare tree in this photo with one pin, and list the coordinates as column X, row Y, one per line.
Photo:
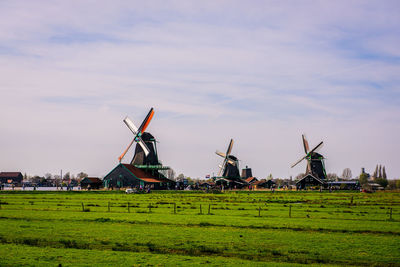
column 347, row 174
column 171, row 174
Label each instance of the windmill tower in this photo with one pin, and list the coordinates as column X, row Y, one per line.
column 229, row 169
column 144, row 169
column 315, row 161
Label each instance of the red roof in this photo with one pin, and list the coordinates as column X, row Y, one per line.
column 145, row 176
column 10, row 174
column 260, row 182
column 250, row 179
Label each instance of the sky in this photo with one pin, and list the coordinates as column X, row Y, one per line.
column 260, row 72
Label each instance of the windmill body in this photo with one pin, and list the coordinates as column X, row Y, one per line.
column 315, row 170
column 140, row 158
column 229, row 174
column 144, row 170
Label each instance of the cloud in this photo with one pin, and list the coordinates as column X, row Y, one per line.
column 261, row 74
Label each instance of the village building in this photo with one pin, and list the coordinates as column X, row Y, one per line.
column 11, row 177
column 91, row 183
column 264, row 184
column 127, row 175
column 251, row 180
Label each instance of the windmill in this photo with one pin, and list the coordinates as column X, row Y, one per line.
column 146, row 152
column 230, row 166
column 144, row 170
column 315, row 161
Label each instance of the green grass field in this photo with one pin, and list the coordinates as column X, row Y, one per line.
column 194, row 228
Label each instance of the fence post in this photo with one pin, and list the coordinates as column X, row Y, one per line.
column 290, row 211
column 200, row 210
column 174, row 208
column 259, row 211
column 149, row 208
column 209, row 209
column 391, row 213
column 128, row 208
column 108, row 206
column 351, row 202
column 83, row 207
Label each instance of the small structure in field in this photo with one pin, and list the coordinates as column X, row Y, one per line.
column 11, row 177
column 91, row 183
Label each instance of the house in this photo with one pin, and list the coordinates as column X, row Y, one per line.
column 251, row 180
column 263, row 184
column 91, row 183
column 11, row 177
column 127, row 175
column 310, row 181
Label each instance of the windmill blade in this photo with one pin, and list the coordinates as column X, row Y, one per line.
column 220, row 154
column 221, row 167
column 317, row 147
column 126, row 150
column 143, row 145
column 298, row 161
column 131, row 126
column 146, row 121
column 228, row 152
column 231, row 162
column 305, row 144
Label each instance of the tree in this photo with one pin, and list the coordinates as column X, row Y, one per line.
column 332, row 177
column 347, row 174
column 171, row 174
column 48, row 176
column 299, row 176
column 380, row 171
column 384, row 173
column 375, row 175
column 81, row 175
column 270, row 177
column 180, row 177
column 67, row 176
column 363, row 178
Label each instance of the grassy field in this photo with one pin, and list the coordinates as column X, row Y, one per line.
column 194, row 228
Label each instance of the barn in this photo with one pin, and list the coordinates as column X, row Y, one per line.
column 11, row 177
column 127, row 175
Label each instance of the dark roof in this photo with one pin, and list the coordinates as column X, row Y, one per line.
column 92, row 180
column 310, row 175
column 263, row 181
column 145, row 176
column 10, row 174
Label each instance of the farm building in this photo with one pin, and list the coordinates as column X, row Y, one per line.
column 309, row 181
column 264, row 184
column 251, row 180
column 91, row 183
column 127, row 175
column 11, row 177
column 345, row 185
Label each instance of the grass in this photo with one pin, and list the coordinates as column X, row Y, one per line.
column 101, row 228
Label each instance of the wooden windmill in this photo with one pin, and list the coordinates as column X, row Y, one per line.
column 315, row 161
column 229, row 169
